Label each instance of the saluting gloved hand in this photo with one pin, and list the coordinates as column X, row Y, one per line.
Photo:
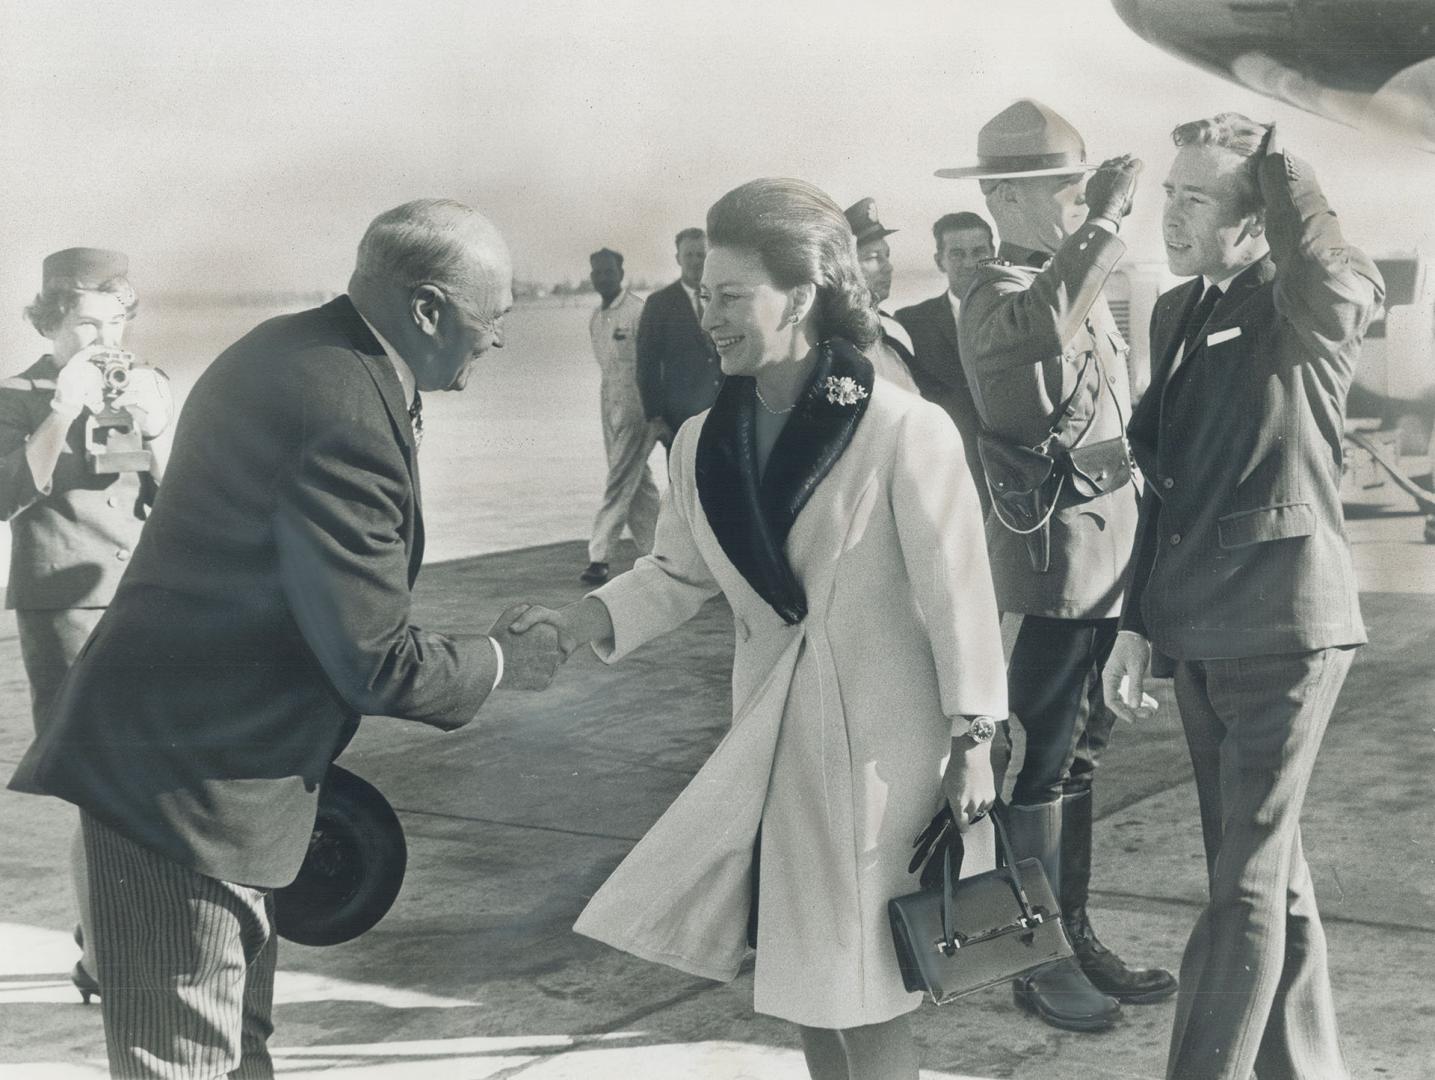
column 1111, row 188
column 149, row 399
column 79, row 386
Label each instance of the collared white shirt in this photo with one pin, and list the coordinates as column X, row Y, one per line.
column 692, row 298
column 410, row 387
column 956, row 302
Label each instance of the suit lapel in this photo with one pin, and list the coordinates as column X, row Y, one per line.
column 1168, row 347
column 376, row 362
column 750, row 520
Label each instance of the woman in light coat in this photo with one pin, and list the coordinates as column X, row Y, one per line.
column 837, row 516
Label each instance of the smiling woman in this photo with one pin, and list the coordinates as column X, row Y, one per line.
column 832, row 510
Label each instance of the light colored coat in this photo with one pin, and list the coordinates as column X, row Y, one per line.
column 840, row 723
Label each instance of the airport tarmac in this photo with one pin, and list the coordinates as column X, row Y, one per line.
column 513, row 822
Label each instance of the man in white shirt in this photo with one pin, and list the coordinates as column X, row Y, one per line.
column 629, row 497
column 963, row 240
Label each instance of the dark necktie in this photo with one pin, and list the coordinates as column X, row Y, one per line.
column 416, row 418
column 1202, row 315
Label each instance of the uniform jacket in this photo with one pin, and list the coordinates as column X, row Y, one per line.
column 1242, row 545
column 70, row 544
column 265, row 609
column 678, row 368
column 937, row 371
column 1037, row 338
column 613, row 331
column 836, row 747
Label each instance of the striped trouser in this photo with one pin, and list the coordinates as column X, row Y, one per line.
column 186, row 965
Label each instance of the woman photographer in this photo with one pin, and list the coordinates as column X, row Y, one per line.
column 73, row 526
column 836, row 515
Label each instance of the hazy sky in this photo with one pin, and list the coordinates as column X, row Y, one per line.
column 247, row 145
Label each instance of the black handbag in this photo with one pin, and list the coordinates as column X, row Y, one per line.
column 959, row 936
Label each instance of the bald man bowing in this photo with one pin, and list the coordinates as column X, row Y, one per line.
column 265, row 609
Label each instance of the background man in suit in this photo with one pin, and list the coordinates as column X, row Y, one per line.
column 963, row 240
column 1243, row 574
column 629, row 496
column 891, row 353
column 1047, row 370
column 265, row 609
column 678, row 370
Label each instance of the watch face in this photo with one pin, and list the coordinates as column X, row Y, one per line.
column 982, row 729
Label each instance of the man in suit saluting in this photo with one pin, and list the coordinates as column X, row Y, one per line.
column 678, row 371
column 1242, row 574
column 964, row 240
column 266, row 607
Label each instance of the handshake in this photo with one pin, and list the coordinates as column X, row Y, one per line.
column 535, row 639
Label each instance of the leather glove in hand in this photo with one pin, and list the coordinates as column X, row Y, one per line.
column 1112, row 187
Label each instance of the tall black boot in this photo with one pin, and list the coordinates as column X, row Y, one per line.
column 1058, row 992
column 1131, row 986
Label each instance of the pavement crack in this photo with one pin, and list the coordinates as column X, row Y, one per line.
column 1139, row 899
column 525, row 825
column 582, row 1042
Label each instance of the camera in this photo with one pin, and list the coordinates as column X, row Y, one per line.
column 114, row 365
column 113, row 441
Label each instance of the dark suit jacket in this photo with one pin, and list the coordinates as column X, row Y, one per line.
column 1242, row 548
column 265, row 609
column 937, row 370
column 678, row 370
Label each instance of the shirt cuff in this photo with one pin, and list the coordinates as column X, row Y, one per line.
column 498, row 655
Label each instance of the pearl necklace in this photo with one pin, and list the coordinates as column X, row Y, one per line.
column 763, row 402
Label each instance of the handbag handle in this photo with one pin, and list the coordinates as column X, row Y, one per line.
column 950, row 874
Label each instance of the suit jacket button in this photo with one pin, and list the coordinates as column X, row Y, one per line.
column 112, row 501
column 1167, row 483
column 1175, row 539
column 122, row 554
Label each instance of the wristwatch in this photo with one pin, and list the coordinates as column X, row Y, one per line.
column 980, row 729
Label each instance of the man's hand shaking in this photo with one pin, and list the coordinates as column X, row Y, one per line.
column 530, row 657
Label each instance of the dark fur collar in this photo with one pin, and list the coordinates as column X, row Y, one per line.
column 751, row 520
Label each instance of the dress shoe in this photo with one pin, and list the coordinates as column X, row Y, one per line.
column 596, row 574
column 1061, row 995
column 85, row 983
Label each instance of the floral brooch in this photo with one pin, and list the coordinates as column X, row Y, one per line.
column 843, row 391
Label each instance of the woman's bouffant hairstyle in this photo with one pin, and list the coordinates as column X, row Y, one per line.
column 1234, row 132
column 60, row 295
column 801, row 236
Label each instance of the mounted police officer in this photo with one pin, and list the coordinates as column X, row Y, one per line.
column 1047, row 369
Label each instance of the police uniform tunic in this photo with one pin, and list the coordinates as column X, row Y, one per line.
column 1037, row 340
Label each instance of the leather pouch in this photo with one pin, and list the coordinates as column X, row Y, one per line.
column 1099, row 468
column 959, row 936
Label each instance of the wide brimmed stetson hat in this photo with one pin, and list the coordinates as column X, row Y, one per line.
column 353, row 870
column 1026, row 138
